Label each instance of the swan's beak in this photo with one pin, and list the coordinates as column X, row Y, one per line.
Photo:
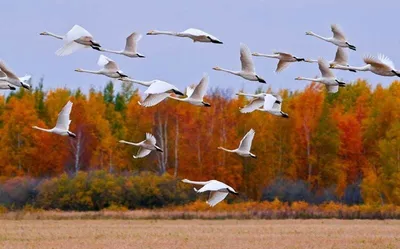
column 42, row 33
column 150, row 32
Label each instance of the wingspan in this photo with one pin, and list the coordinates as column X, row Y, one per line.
column 201, row 89
column 255, row 103
column 341, row 57
column 75, row 33
column 245, row 143
column 337, row 33
column 216, row 197
column 159, row 86
column 150, row 138
column 142, row 153
column 63, row 120
column 154, row 99
column 325, row 71
column 245, row 58
column 131, row 42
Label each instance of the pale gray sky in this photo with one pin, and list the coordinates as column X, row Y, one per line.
column 262, row 25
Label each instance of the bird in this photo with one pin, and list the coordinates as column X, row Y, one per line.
column 196, row 35
column 74, row 40
column 218, row 190
column 8, row 76
column 284, row 59
column 272, row 105
column 328, row 78
column 248, row 71
column 244, row 146
column 195, row 95
column 341, row 59
column 146, row 146
column 5, row 85
column 338, row 38
column 256, row 103
column 130, row 47
column 63, row 122
column 381, row 66
column 110, row 68
column 157, row 91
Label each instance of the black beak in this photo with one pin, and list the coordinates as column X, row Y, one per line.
column 178, row 92
column 96, row 48
column 12, row 88
column 352, row 70
column 352, row 47
column 214, row 41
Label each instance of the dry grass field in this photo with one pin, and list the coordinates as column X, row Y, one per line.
column 119, row 234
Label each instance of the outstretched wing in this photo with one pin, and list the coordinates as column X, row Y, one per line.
column 245, row 59
column 75, row 33
column 159, row 86
column 131, row 42
column 63, row 120
column 69, row 48
column 281, row 65
column 325, row 71
column 216, row 197
column 154, row 99
column 269, row 101
column 341, row 57
column 337, row 33
column 142, row 153
column 278, row 103
column 378, row 63
column 107, row 63
column 254, row 104
column 245, row 144
column 150, row 139
column 201, row 89
column 7, row 71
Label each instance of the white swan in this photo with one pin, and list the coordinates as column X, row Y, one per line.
column 5, row 85
column 272, row 105
column 338, row 38
column 328, row 78
column 256, row 103
column 284, row 59
column 248, row 71
column 195, row 95
column 244, row 146
column 341, row 59
column 9, row 77
column 63, row 122
column 130, row 47
column 146, row 146
column 157, row 91
column 110, row 68
column 196, row 35
column 218, row 190
column 74, row 40
column 381, row 66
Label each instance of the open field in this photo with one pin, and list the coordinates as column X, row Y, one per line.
column 230, row 234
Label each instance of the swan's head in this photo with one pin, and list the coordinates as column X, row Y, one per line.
column 298, row 78
column 140, row 55
column 299, row 59
column 284, row 115
column 255, row 54
column 44, row 33
column 220, row 148
column 310, row 61
column 309, row 33
column 152, row 32
column 185, row 180
column 25, row 85
column 79, row 70
column 217, row 68
column 332, row 65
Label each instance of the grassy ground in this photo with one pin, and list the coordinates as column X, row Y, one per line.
column 88, row 234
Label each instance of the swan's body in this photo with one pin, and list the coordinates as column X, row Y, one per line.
column 328, row 78
column 146, row 146
column 195, row 95
column 109, row 68
column 218, row 190
column 130, row 47
column 7, row 77
column 272, row 105
column 196, row 35
column 63, row 122
column 381, row 66
column 74, row 40
column 341, row 59
column 338, row 38
column 284, row 59
column 157, row 91
column 256, row 103
column 244, row 146
column 248, row 71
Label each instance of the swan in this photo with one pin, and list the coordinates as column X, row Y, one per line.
column 248, row 71
column 341, row 59
column 195, row 95
column 328, row 78
column 218, row 190
column 381, row 66
column 9, row 77
column 338, row 38
column 63, row 122
column 130, row 47
column 74, row 40
column 244, row 146
column 110, row 68
column 146, row 146
column 196, row 35
column 157, row 91
column 256, row 103
column 4, row 85
column 272, row 105
column 284, row 59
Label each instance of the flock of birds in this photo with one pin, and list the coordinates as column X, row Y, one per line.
column 157, row 90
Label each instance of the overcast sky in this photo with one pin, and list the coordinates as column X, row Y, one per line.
column 263, row 25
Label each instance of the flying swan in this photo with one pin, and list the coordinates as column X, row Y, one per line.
column 248, row 71
column 109, row 68
column 272, row 105
column 244, row 146
column 341, row 59
column 218, row 190
column 338, row 38
column 146, row 146
column 195, row 95
column 13, row 81
column 256, row 103
column 63, row 122
column 130, row 47
column 196, row 35
column 284, row 59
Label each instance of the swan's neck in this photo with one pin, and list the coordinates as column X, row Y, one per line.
column 195, row 182
column 222, row 148
column 130, row 143
column 247, row 94
column 363, row 68
column 176, row 98
column 143, row 83
column 267, row 55
column 54, row 35
column 157, row 32
column 229, row 71
column 320, row 37
column 89, row 71
column 110, row 51
column 42, row 129
column 311, row 61
column 309, row 79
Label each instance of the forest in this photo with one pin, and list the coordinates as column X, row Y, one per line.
column 342, row 147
